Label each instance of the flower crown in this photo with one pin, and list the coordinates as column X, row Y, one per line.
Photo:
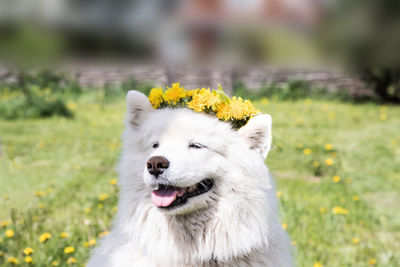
column 236, row 110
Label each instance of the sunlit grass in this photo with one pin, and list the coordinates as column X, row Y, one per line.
column 337, row 168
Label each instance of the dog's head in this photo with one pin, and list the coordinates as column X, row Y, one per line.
column 187, row 160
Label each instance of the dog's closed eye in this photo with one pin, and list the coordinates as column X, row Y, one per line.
column 196, row 145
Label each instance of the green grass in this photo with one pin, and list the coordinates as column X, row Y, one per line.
column 52, row 171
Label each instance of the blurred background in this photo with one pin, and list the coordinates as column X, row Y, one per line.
column 328, row 72
column 343, row 45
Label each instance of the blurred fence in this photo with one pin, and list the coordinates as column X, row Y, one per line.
column 89, row 75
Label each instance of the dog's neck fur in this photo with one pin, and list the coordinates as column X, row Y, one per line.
column 201, row 237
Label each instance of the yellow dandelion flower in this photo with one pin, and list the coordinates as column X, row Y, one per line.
column 307, row 151
column 113, row 181
column 329, row 161
column 383, row 116
column 10, row 233
column 264, row 101
column 293, row 243
column 100, row 206
column 156, row 97
column 308, row 102
column 191, row 93
column 340, row 210
column 28, row 251
column 69, row 250
column 336, row 179
column 174, row 94
column 71, row 260
column 87, row 210
column 316, row 164
column 278, row 194
column 115, row 209
column 356, row 198
column 64, row 235
column 90, row 243
column 28, row 259
column 6, row 197
column 223, row 111
column 328, row 146
column 72, row 106
column 1, row 253
column 284, row 226
column 44, row 237
column 317, row 264
column 1, row 240
column 372, row 261
column 13, row 260
column 204, row 99
column 103, row 233
column 355, row 240
column 103, row 197
column 322, row 210
column 4, row 223
column 55, row 263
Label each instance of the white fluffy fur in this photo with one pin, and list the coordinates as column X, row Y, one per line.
column 234, row 224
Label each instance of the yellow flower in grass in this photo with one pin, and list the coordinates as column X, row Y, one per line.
column 174, row 94
column 9, row 233
column 340, row 210
column 293, row 243
column 44, row 237
column 88, row 210
column 156, row 97
column 192, row 92
column 72, row 105
column 307, row 151
column 64, row 235
column 317, row 264
column 328, row 146
column 355, row 240
column 103, row 197
column 69, row 250
column 278, row 194
column 28, row 251
column 1, row 253
column 90, row 243
column 13, row 260
column 316, row 164
column 322, row 210
column 71, row 260
column 103, row 233
column 372, row 261
column 113, row 181
column 284, row 226
column 329, row 161
column 336, row 179
column 356, row 198
column 28, row 259
column 55, row 263
column 4, row 223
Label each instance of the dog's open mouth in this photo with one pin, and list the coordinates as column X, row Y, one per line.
column 167, row 196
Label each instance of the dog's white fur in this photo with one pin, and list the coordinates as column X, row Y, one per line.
column 234, row 224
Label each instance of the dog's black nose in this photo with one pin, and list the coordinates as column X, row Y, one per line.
column 157, row 165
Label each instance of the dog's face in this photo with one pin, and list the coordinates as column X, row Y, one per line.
column 187, row 155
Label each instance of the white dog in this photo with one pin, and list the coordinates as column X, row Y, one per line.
column 194, row 192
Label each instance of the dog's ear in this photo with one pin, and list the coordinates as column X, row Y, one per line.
column 137, row 105
column 257, row 133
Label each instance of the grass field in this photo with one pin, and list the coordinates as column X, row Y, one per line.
column 337, row 167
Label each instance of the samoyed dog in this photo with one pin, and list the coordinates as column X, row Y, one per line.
column 194, row 192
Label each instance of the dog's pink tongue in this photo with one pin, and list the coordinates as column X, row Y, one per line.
column 164, row 198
